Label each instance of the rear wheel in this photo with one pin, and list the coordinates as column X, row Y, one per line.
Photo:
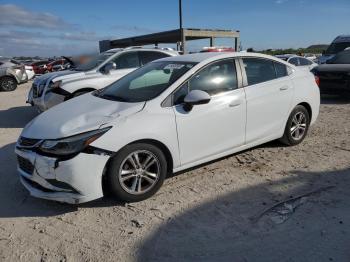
column 7, row 84
column 136, row 172
column 297, row 126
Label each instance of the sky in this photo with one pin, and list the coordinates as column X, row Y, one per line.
column 70, row 27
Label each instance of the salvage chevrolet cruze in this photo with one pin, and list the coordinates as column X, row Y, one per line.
column 170, row 115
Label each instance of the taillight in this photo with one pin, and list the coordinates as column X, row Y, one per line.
column 317, row 80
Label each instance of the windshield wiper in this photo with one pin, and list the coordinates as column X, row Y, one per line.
column 113, row 97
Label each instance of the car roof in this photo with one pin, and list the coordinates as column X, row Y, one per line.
column 201, row 57
column 342, row 39
column 138, row 48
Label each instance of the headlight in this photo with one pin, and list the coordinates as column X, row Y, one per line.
column 71, row 145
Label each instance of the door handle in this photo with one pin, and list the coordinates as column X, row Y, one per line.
column 283, row 88
column 235, row 103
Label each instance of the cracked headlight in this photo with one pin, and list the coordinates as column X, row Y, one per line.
column 71, row 145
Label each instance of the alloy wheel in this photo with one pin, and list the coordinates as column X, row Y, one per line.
column 7, row 84
column 298, row 127
column 139, row 172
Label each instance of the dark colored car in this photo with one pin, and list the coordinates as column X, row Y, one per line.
column 40, row 67
column 334, row 76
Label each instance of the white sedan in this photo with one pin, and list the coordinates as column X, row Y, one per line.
column 170, row 115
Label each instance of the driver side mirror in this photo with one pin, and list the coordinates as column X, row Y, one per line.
column 108, row 67
column 195, row 97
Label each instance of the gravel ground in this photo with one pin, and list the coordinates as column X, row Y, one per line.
column 228, row 210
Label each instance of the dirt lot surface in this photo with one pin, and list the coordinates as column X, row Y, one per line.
column 211, row 213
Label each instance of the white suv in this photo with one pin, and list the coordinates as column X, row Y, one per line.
column 54, row 88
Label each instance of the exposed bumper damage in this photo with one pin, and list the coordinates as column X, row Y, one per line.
column 74, row 181
column 46, row 101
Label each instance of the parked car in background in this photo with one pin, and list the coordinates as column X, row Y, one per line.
column 299, row 61
column 170, row 115
column 60, row 64
column 340, row 43
column 302, row 62
column 40, row 67
column 217, row 49
column 334, row 76
column 29, row 71
column 52, row 89
column 12, row 73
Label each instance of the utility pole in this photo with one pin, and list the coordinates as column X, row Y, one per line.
column 183, row 40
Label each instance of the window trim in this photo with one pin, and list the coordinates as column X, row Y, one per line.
column 169, row 100
column 244, row 73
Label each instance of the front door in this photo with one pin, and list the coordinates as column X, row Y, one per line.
column 218, row 126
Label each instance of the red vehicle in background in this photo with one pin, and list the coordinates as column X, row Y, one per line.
column 218, row 49
column 58, row 65
column 40, row 67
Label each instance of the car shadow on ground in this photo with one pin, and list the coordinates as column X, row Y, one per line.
column 335, row 99
column 17, row 117
column 234, row 228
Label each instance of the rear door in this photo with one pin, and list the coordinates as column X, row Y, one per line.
column 269, row 93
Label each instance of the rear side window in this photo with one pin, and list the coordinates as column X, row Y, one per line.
column 127, row 60
column 149, row 56
column 259, row 70
column 281, row 70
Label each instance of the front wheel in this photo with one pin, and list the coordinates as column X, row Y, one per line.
column 8, row 84
column 297, row 126
column 136, row 172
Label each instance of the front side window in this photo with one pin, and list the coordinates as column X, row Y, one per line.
column 127, row 60
column 259, row 70
column 145, row 83
column 216, row 78
column 94, row 62
column 149, row 56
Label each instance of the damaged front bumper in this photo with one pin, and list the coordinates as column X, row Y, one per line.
column 73, row 181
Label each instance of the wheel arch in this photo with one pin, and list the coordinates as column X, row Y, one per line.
column 162, row 147
column 10, row 76
column 308, row 108
column 157, row 143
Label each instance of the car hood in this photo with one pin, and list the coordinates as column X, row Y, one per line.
column 81, row 114
column 44, row 78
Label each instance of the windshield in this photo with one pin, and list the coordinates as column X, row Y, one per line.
column 335, row 48
column 145, row 83
column 94, row 62
column 340, row 58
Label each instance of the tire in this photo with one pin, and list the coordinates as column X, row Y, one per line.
column 7, row 84
column 297, row 126
column 151, row 172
